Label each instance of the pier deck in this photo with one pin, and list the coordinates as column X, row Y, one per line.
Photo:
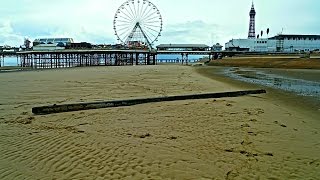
column 111, row 57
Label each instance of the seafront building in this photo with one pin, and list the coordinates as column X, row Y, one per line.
column 280, row 43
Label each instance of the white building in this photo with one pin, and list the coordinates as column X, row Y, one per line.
column 51, row 44
column 47, row 47
column 55, row 41
column 279, row 43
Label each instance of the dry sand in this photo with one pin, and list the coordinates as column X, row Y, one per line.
column 252, row 137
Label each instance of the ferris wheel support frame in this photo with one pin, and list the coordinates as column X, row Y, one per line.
column 143, row 33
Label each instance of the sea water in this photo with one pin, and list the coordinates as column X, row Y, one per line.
column 9, row 61
column 178, row 58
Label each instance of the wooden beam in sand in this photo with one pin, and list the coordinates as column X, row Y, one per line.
column 130, row 102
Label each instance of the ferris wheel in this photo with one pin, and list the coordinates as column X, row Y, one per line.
column 137, row 21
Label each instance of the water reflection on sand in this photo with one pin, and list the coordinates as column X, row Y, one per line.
column 280, row 79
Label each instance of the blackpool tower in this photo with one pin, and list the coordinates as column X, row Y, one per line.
column 252, row 25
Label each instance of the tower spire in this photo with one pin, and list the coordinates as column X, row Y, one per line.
column 252, row 24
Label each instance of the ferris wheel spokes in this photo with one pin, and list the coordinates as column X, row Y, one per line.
column 138, row 21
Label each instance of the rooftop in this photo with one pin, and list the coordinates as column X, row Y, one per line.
column 296, row 36
column 183, row 46
column 54, row 40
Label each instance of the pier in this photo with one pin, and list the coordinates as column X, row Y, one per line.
column 82, row 58
column 114, row 57
column 93, row 57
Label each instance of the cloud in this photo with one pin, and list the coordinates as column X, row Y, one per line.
column 13, row 33
column 82, row 20
column 192, row 21
column 7, row 35
column 196, row 31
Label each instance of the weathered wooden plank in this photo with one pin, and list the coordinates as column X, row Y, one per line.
column 43, row 110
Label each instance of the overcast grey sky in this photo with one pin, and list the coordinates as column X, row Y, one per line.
column 184, row 21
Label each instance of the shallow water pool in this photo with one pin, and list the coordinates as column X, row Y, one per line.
column 280, row 79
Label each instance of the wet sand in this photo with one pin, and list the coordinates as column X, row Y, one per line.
column 302, row 83
column 305, row 74
column 307, row 104
column 287, row 62
column 248, row 137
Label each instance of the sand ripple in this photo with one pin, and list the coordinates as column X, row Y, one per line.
column 202, row 139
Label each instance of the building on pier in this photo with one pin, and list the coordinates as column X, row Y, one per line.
column 48, row 47
column 183, row 47
column 8, row 49
column 217, row 47
column 51, row 44
column 82, row 45
column 55, row 41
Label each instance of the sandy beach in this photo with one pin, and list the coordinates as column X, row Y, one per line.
column 250, row 137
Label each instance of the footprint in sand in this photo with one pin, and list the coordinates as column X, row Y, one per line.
column 245, row 125
column 268, row 154
column 232, row 175
column 255, row 112
column 244, row 143
column 282, row 125
column 21, row 120
column 252, row 133
column 24, row 113
column 140, row 136
column 253, row 120
column 315, row 162
column 173, row 138
column 229, row 105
